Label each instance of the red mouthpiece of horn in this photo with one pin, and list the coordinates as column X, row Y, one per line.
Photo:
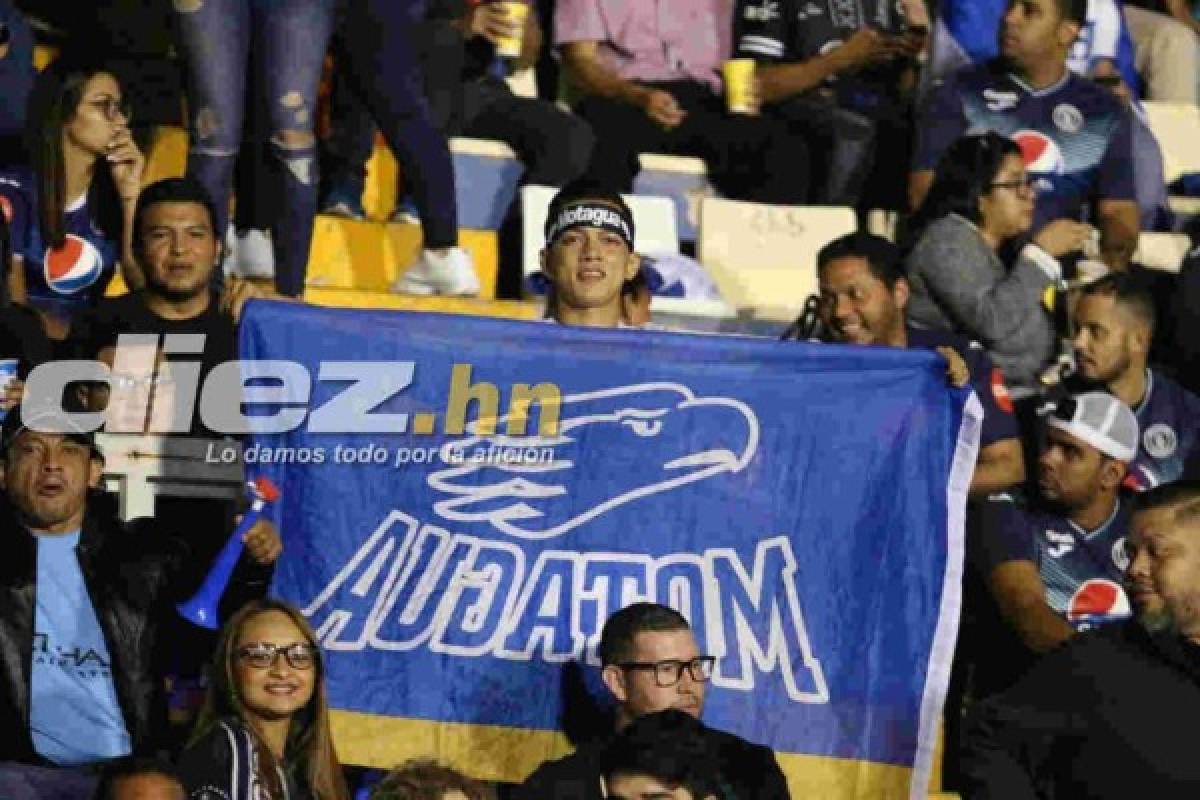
column 266, row 489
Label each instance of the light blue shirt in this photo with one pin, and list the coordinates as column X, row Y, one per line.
column 74, row 715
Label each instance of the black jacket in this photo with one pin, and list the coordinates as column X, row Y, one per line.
column 749, row 771
column 131, row 573
column 1110, row 714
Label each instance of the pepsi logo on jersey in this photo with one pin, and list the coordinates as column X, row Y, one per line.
column 74, row 266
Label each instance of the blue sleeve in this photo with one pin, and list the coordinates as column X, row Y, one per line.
column 942, row 121
column 987, row 380
column 1115, row 180
column 1004, row 535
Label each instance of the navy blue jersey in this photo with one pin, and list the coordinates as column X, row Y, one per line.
column 987, row 380
column 1075, row 136
column 67, row 279
column 1083, row 571
column 1169, row 421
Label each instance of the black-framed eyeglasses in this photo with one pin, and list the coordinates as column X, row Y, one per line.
column 112, row 106
column 1023, row 184
column 668, row 673
column 262, row 655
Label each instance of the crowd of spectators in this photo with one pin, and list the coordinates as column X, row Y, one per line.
column 1024, row 181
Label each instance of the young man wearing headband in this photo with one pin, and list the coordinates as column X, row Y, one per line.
column 588, row 255
column 1057, row 566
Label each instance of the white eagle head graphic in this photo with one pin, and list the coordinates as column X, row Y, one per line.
column 613, row 446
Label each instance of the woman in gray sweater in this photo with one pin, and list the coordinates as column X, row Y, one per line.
column 982, row 199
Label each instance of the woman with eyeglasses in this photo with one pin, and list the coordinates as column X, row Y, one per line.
column 71, row 209
column 263, row 733
column 981, row 203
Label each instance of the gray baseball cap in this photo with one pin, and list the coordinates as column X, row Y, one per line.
column 1100, row 420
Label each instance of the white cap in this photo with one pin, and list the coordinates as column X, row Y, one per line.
column 1100, row 420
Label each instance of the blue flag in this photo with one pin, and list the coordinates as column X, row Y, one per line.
column 511, row 484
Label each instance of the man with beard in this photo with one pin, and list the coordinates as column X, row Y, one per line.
column 1107, row 715
column 1114, row 326
column 1056, row 566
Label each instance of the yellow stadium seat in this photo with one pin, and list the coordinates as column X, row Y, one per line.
column 765, row 257
column 379, row 192
column 1177, row 128
column 43, row 54
column 167, row 156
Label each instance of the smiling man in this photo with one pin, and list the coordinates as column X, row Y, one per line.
column 651, row 663
column 863, row 300
column 588, row 256
column 1107, row 715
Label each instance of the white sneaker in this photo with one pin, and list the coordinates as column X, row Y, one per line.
column 450, row 272
column 255, row 255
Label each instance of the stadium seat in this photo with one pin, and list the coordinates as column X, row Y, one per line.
column 681, row 178
column 167, row 155
column 1177, row 128
column 486, row 174
column 43, row 54
column 765, row 257
column 882, row 222
column 1164, row 251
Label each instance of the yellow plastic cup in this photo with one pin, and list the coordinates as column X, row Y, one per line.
column 739, row 83
column 510, row 46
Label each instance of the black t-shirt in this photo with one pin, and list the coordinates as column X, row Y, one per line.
column 129, row 314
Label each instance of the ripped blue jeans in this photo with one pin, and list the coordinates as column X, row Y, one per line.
column 289, row 38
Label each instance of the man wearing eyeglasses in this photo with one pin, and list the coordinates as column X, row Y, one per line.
column 650, row 663
column 83, row 606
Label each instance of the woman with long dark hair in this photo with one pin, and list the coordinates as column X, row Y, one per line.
column 981, row 202
column 70, row 210
column 263, row 733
